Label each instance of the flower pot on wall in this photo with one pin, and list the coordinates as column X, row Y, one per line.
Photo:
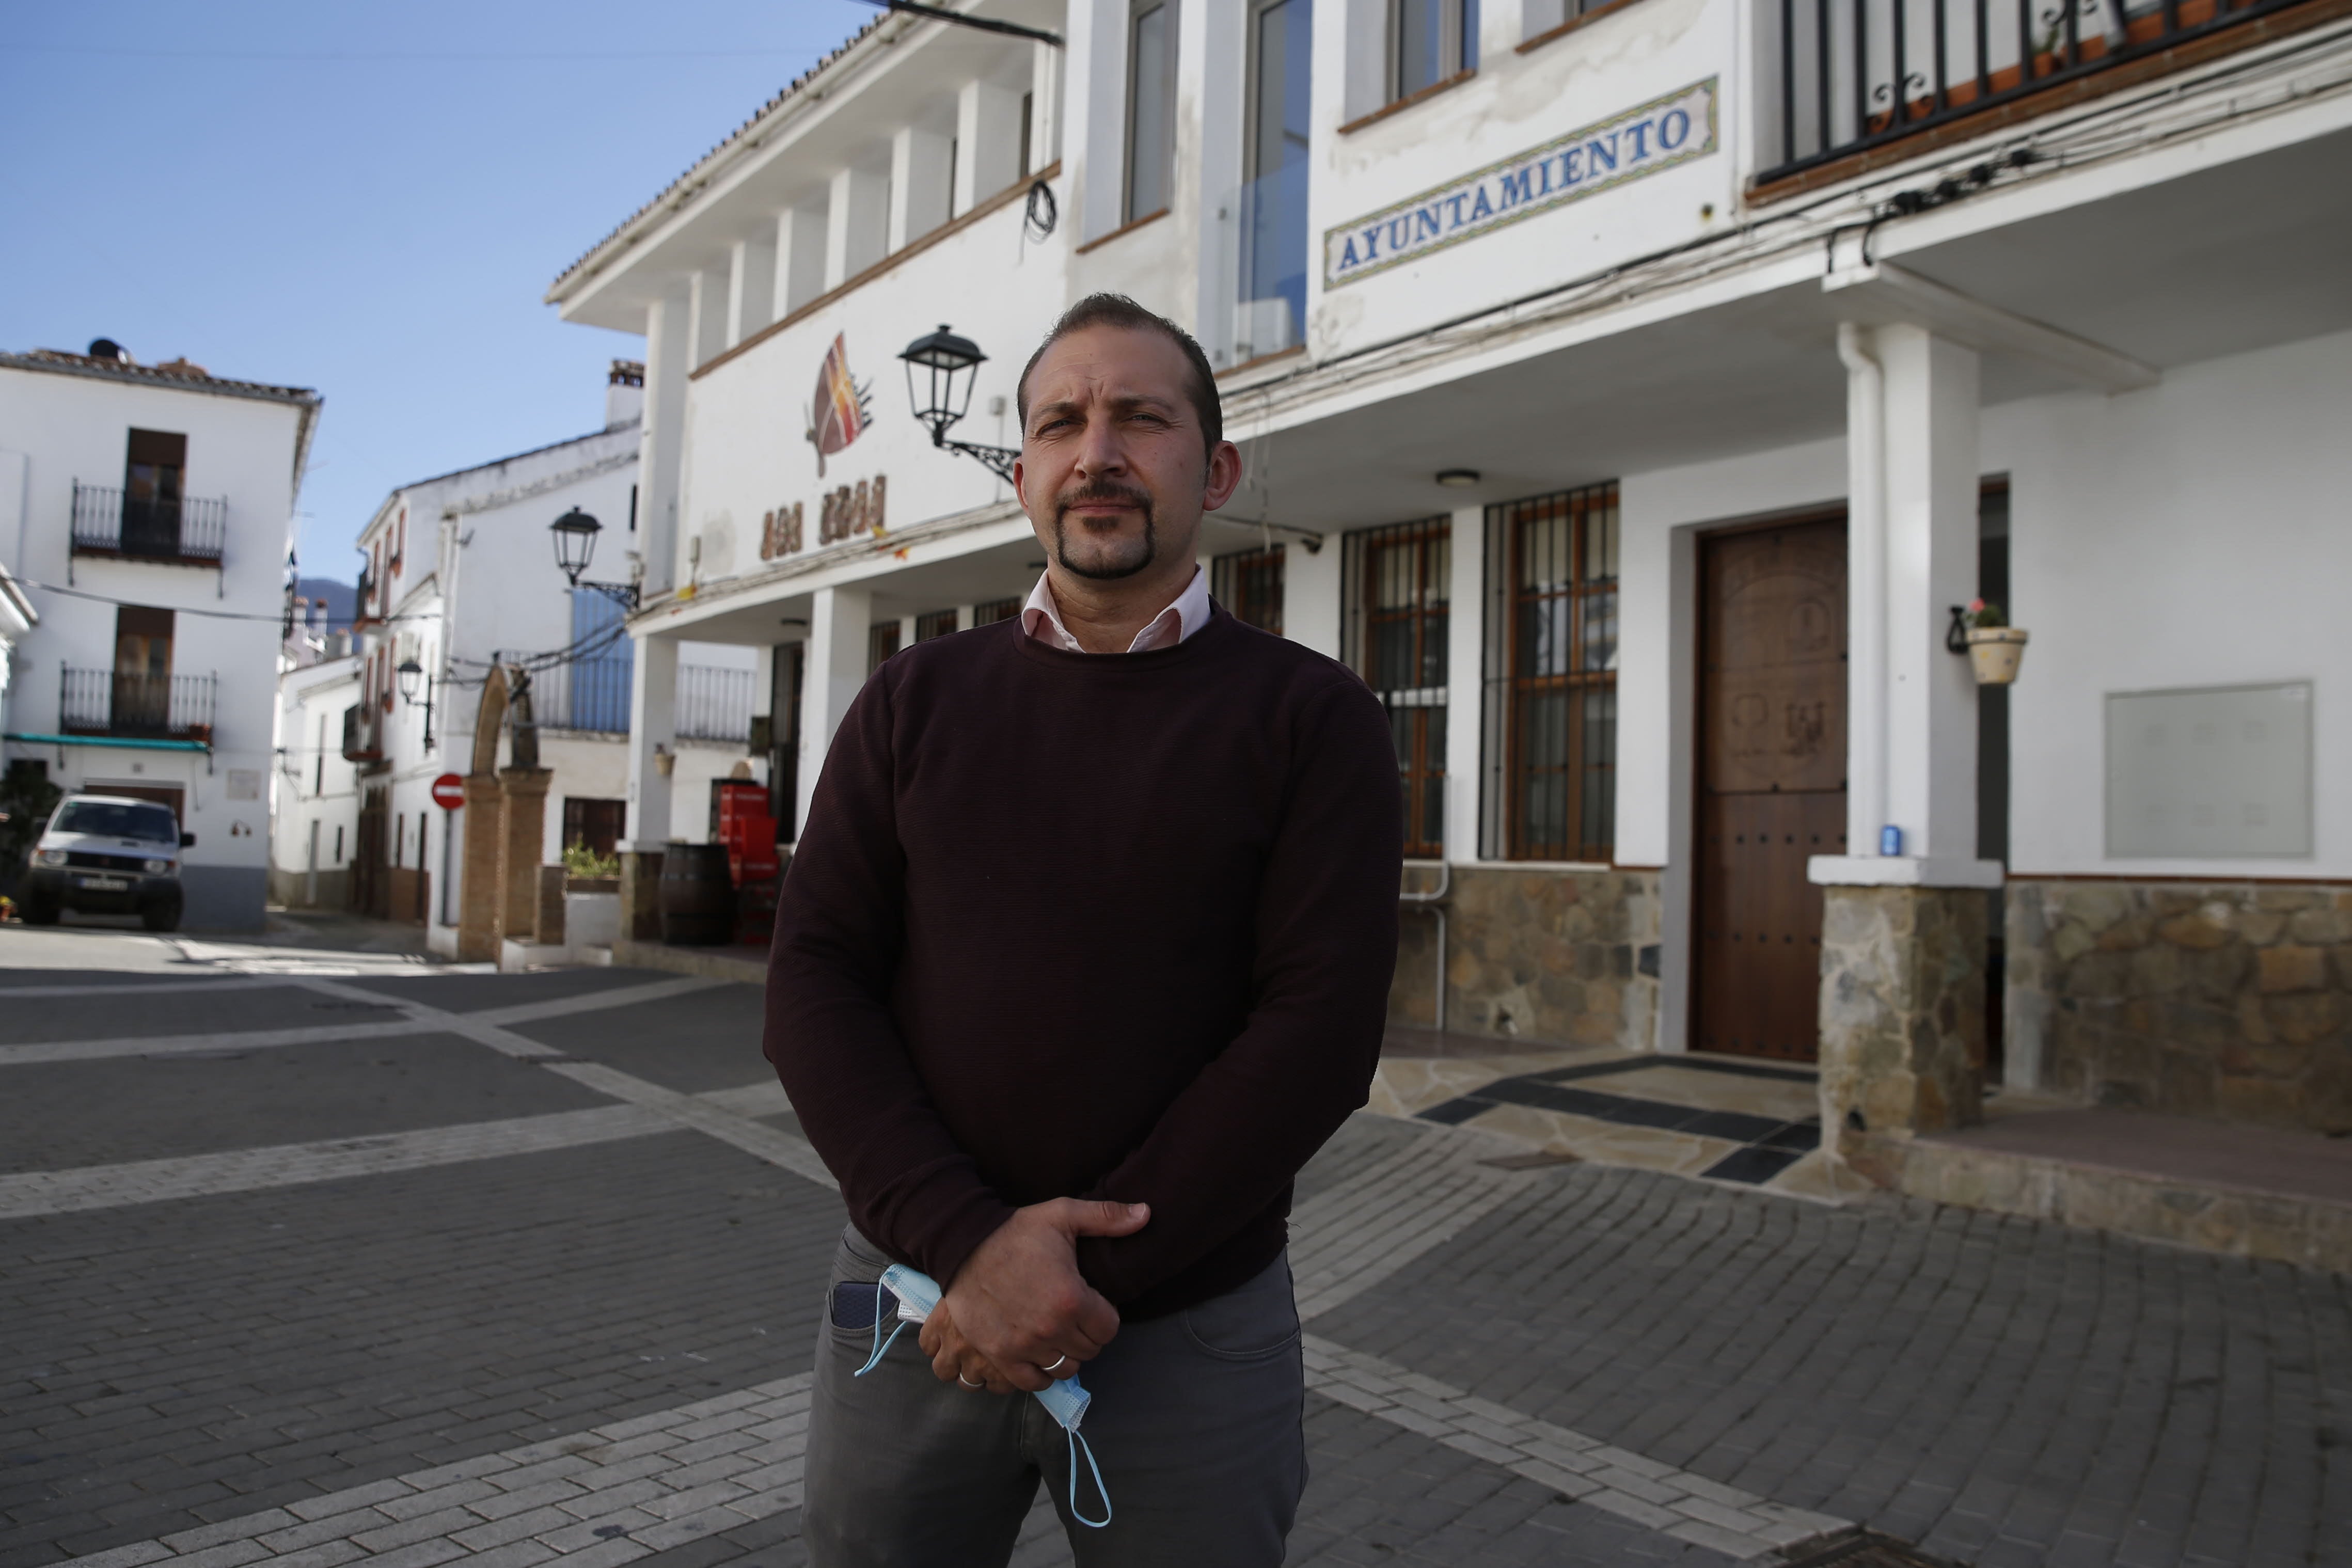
column 1996, row 652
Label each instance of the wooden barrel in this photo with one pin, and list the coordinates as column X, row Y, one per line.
column 698, row 898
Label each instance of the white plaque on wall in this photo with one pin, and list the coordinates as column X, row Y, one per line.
column 2211, row 772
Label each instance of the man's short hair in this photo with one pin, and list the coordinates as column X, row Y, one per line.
column 1119, row 310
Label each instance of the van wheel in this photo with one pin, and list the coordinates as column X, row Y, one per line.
column 160, row 916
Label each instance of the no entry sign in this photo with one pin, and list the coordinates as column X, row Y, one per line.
column 448, row 791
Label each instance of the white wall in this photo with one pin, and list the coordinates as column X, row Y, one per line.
column 2196, row 534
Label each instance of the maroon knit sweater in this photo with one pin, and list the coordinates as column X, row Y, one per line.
column 1072, row 926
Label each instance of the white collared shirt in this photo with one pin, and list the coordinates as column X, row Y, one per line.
column 1041, row 619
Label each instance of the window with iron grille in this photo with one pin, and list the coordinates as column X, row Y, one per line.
column 995, row 610
column 1398, row 584
column 934, row 624
column 1248, row 583
column 1552, row 677
column 880, row 644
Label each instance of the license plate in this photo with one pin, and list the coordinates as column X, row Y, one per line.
column 103, row 883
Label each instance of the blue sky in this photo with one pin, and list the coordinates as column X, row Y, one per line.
column 366, row 200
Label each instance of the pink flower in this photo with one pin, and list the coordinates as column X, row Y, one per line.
column 1976, row 604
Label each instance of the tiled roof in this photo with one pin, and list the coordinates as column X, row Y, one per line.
column 792, row 90
column 178, row 374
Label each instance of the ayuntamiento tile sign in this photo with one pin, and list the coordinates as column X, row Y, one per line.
column 1659, row 134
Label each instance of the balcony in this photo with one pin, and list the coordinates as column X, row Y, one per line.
column 186, row 531
column 135, row 706
column 363, row 612
column 363, row 736
column 1839, row 111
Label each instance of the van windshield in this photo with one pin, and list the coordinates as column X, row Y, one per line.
column 114, row 820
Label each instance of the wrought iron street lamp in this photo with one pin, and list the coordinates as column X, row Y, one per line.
column 411, row 675
column 576, row 545
column 941, row 369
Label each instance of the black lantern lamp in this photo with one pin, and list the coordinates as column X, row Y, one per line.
column 940, row 370
column 411, row 675
column 576, row 545
column 575, row 542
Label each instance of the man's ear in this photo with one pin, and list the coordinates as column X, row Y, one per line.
column 1225, row 475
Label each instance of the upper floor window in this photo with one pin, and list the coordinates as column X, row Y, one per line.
column 153, row 472
column 1151, row 106
column 1552, row 674
column 1273, row 208
column 1399, row 586
column 934, row 624
column 1429, row 41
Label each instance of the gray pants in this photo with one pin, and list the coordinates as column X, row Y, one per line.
column 1195, row 1423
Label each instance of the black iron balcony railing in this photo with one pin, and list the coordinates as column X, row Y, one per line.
column 191, row 530
column 1858, row 74
column 714, row 703
column 147, row 707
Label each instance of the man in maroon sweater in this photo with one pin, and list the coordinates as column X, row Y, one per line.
column 1084, row 951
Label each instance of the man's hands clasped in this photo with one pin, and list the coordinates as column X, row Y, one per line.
column 1018, row 1315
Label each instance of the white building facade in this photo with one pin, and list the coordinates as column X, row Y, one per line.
column 1632, row 394
column 147, row 513
column 459, row 576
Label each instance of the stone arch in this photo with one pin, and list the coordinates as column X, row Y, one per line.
column 488, row 720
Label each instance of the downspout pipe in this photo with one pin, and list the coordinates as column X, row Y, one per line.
column 1866, row 598
column 1433, row 901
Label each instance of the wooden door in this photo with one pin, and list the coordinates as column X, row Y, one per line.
column 1771, row 783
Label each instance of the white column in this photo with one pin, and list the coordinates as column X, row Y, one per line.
column 661, row 437
column 800, row 258
column 988, row 143
column 750, row 286
column 855, row 223
column 839, row 620
column 1931, row 565
column 653, row 730
column 1044, row 106
column 919, row 184
column 1310, row 595
column 1912, row 456
column 1094, row 116
column 1465, row 684
column 706, row 296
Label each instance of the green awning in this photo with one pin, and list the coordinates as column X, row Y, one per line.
column 129, row 743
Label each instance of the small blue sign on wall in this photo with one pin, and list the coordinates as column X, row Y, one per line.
column 1658, row 135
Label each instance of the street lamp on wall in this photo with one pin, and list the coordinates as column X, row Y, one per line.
column 940, row 370
column 576, row 545
column 412, row 674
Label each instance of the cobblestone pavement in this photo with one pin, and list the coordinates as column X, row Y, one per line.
column 309, row 1258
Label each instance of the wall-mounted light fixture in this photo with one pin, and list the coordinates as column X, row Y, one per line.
column 941, row 369
column 412, row 674
column 576, row 545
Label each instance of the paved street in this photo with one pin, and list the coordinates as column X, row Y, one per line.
column 309, row 1258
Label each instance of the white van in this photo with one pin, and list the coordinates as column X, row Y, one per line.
column 106, row 854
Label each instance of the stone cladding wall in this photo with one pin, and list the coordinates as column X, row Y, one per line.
column 1538, row 953
column 2229, row 1000
column 1903, row 1016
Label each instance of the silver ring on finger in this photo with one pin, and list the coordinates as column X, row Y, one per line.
column 1057, row 1362
column 968, row 1383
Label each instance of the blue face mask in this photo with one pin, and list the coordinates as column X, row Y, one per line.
column 1064, row 1400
